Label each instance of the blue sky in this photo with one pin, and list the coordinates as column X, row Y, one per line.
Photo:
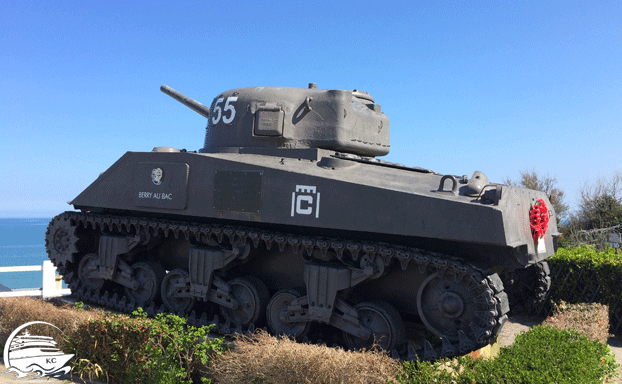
column 495, row 86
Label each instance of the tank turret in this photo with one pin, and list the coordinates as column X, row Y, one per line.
column 292, row 118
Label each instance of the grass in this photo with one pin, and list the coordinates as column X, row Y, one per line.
column 265, row 359
column 15, row 311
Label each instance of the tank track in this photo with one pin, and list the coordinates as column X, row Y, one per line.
column 483, row 328
column 527, row 287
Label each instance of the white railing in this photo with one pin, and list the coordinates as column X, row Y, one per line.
column 51, row 282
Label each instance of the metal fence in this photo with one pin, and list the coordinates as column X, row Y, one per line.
column 600, row 238
column 51, row 283
column 582, row 285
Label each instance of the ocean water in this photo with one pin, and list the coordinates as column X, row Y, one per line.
column 22, row 242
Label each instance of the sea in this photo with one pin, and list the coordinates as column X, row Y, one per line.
column 22, row 242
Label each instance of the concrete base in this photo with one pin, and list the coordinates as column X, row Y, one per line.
column 489, row 351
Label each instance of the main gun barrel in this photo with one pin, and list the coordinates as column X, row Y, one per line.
column 188, row 102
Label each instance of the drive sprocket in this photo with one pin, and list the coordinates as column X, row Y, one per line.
column 61, row 241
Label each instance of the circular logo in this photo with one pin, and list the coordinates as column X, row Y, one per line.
column 156, row 176
column 27, row 352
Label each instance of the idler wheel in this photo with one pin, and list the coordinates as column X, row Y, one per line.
column 87, row 264
column 446, row 306
column 175, row 292
column 252, row 295
column 385, row 323
column 149, row 275
column 275, row 313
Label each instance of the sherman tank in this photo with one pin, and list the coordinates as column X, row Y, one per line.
column 287, row 219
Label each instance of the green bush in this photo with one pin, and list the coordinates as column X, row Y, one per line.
column 582, row 267
column 141, row 350
column 542, row 355
column 588, row 254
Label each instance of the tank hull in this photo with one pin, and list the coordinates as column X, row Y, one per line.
column 303, row 195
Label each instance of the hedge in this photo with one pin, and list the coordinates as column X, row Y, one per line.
column 583, row 275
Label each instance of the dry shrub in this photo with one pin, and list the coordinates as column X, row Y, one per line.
column 262, row 358
column 589, row 318
column 15, row 311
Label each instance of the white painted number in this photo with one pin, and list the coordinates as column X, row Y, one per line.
column 303, row 199
column 215, row 119
column 228, row 108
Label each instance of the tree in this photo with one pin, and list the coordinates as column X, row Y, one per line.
column 601, row 204
column 545, row 184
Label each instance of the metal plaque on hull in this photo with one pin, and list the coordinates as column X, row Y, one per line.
column 161, row 185
column 237, row 191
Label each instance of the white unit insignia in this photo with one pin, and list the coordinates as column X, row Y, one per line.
column 306, row 200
